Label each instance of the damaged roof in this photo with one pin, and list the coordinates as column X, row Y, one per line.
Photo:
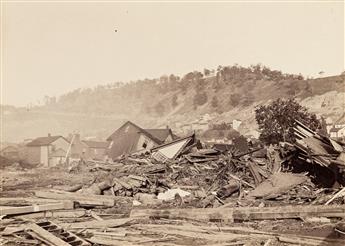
column 125, row 139
column 96, row 144
column 124, row 130
column 161, row 134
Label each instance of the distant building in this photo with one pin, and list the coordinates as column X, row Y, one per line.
column 338, row 129
column 10, row 152
column 86, row 149
column 130, row 138
column 48, row 151
column 340, row 123
column 96, row 150
column 337, row 132
column 236, row 124
column 329, row 124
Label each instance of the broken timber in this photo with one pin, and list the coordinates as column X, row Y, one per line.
column 53, row 234
column 243, row 214
column 39, row 233
column 99, row 224
column 35, row 208
column 82, row 199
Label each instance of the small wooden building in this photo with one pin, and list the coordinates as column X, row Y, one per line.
column 47, row 151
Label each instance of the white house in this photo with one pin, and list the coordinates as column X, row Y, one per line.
column 48, row 151
column 337, row 132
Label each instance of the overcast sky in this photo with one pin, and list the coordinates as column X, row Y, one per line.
column 52, row 48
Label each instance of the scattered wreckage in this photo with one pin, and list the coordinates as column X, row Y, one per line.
column 183, row 194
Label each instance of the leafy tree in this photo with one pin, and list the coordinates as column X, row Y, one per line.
column 248, row 99
column 214, row 102
column 234, row 99
column 200, row 99
column 276, row 120
column 207, row 71
column 174, row 101
column 159, row 109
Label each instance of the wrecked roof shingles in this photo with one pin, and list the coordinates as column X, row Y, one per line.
column 119, row 132
column 42, row 141
column 96, row 144
column 161, row 134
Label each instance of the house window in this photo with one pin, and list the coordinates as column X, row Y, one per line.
column 145, row 144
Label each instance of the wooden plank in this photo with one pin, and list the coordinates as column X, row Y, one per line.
column 98, row 224
column 35, row 208
column 45, row 236
column 201, row 214
column 75, row 213
column 255, row 173
column 111, row 242
column 242, row 214
column 82, row 199
column 339, row 194
column 288, row 212
column 24, row 201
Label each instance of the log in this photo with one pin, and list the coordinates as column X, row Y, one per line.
column 35, row 208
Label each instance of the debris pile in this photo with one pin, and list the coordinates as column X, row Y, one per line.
column 183, row 194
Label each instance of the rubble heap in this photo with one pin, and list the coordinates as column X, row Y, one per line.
column 182, row 194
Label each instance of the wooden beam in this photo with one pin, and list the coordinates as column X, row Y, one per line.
column 82, row 199
column 242, row 214
column 45, row 236
column 24, row 201
column 35, row 208
column 75, row 213
column 98, row 224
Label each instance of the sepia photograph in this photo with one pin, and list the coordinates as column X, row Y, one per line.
column 172, row 123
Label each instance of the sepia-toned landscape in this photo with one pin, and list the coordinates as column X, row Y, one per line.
column 172, row 123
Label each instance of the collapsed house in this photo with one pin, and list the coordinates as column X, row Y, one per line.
column 47, row 151
column 322, row 157
column 181, row 193
column 130, row 138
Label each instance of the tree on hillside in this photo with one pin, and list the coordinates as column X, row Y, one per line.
column 248, row 99
column 276, row 120
column 206, row 72
column 159, row 109
column 200, row 99
column 174, row 101
column 234, row 99
column 214, row 102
